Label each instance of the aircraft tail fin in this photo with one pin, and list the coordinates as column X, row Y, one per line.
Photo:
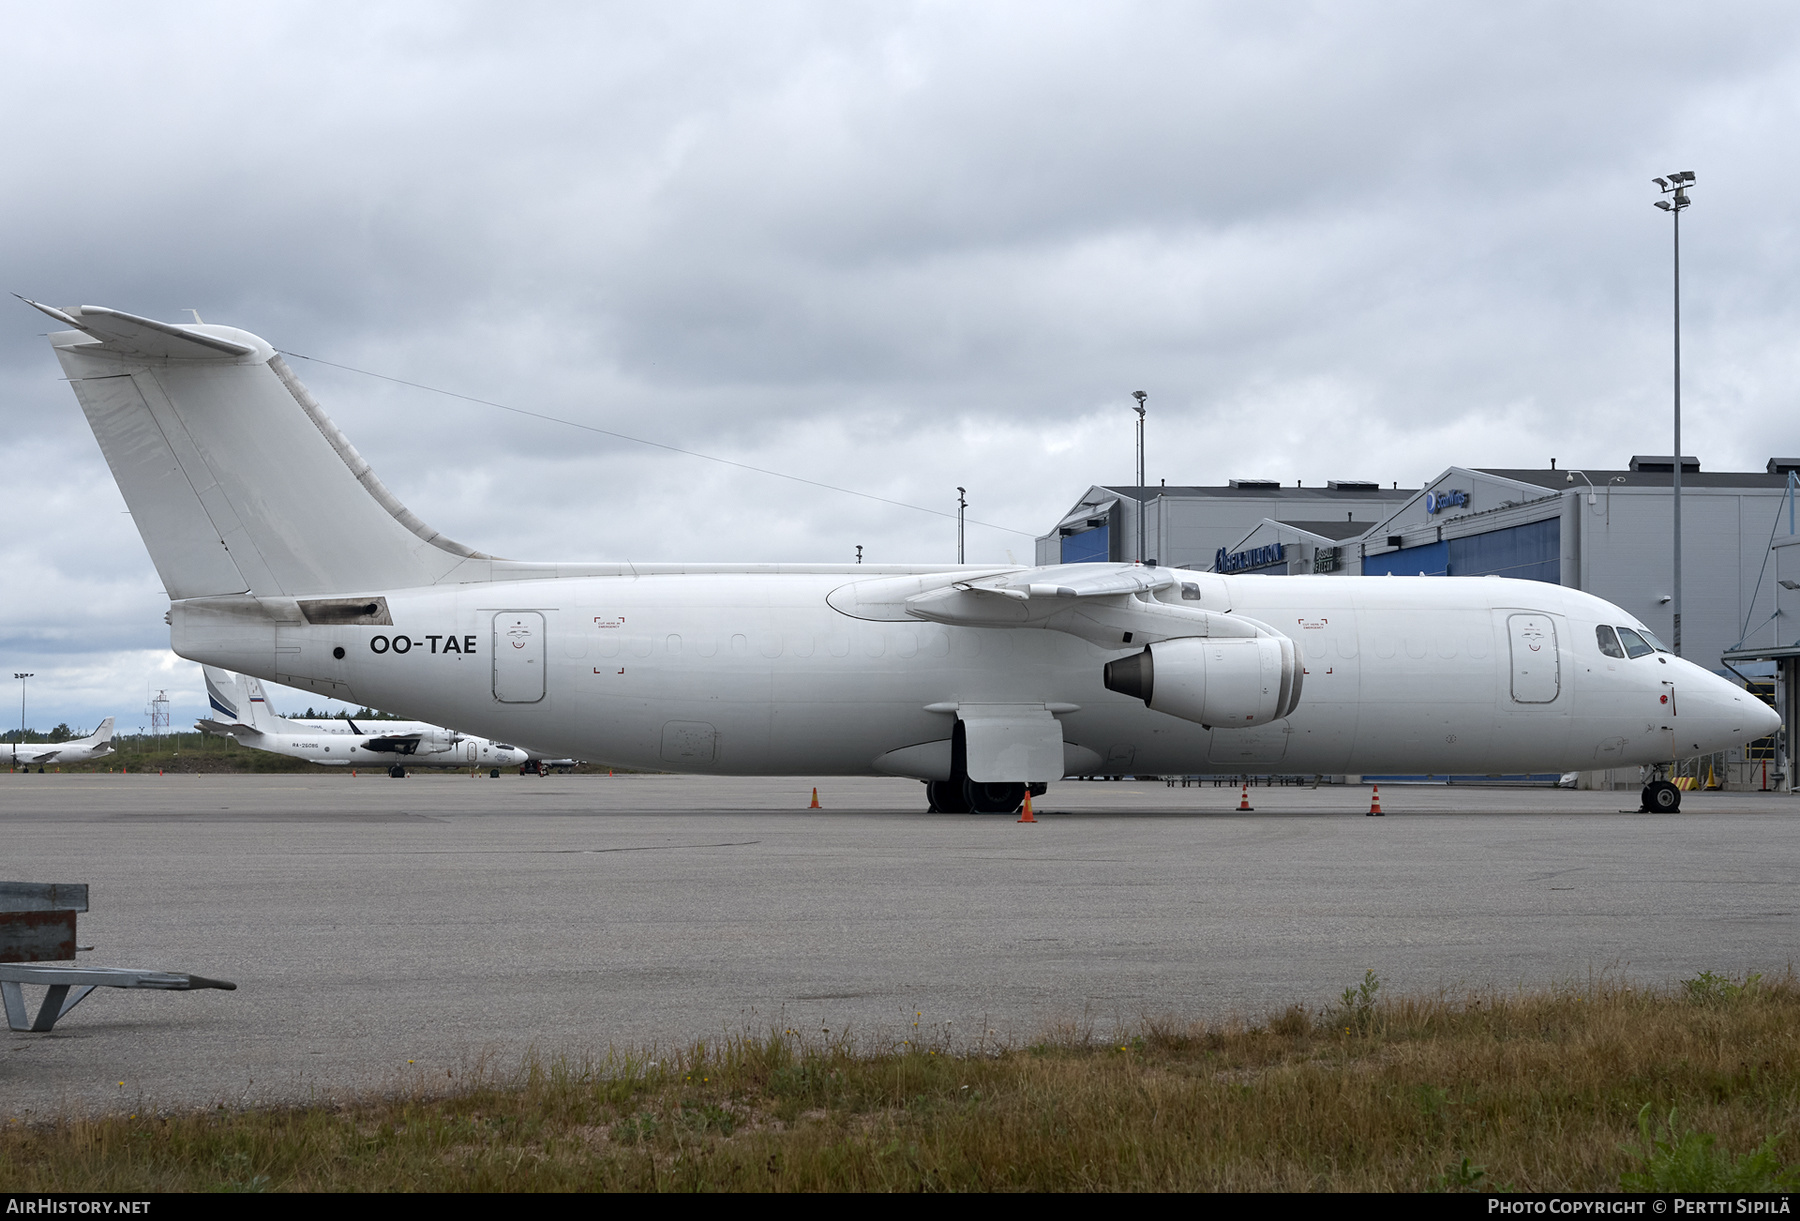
column 103, row 734
column 256, row 705
column 220, row 694
column 261, row 716
column 236, row 478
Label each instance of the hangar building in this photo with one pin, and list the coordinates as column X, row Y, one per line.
column 1186, row 527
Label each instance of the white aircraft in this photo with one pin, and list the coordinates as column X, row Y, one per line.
column 244, row 714
column 534, row 761
column 285, row 557
column 80, row 750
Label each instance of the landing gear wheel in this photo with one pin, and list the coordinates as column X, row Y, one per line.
column 397, row 772
column 999, row 798
column 495, row 774
column 1661, row 797
column 946, row 797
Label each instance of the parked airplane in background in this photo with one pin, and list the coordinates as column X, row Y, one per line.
column 242, row 711
column 285, row 557
column 26, row 754
column 536, row 762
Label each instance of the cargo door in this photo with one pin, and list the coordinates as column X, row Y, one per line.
column 1536, row 669
column 518, row 657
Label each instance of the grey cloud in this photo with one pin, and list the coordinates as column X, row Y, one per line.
column 902, row 247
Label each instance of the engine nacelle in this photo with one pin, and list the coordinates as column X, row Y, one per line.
column 1222, row 682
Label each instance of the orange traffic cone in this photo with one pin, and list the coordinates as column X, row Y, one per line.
column 815, row 800
column 1244, row 801
column 1026, row 815
column 1375, row 804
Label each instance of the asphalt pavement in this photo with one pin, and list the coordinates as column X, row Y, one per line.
column 383, row 932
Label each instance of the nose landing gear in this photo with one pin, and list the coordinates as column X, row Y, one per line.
column 1661, row 797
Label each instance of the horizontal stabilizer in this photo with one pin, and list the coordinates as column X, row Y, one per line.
column 232, row 729
column 136, row 336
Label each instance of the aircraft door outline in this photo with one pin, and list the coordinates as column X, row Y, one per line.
column 1536, row 667
column 518, row 652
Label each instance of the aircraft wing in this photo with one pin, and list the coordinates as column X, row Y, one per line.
column 1075, row 581
column 1115, row 606
column 392, row 743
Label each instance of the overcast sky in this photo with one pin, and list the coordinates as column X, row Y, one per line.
column 898, row 247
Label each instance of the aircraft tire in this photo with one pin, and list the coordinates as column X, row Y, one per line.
column 983, row 798
column 494, row 774
column 1661, row 797
column 946, row 797
column 397, row 772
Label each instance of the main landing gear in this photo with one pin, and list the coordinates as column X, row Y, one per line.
column 974, row 797
column 961, row 795
column 397, row 772
column 1661, row 797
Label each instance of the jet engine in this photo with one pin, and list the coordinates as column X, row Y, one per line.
column 1221, row 682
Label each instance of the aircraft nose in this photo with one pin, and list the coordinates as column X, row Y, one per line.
column 1767, row 719
column 1734, row 716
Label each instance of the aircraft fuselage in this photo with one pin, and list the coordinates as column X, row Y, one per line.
column 757, row 673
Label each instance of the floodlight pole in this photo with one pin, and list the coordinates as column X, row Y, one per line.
column 1677, row 185
column 962, row 503
column 1142, row 545
column 21, row 678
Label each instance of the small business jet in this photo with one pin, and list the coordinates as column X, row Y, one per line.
column 248, row 718
column 25, row 755
column 285, row 557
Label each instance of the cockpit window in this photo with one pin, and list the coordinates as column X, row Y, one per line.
column 1652, row 641
column 1634, row 643
column 1609, row 641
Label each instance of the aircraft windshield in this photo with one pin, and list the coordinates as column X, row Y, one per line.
column 1634, row 643
column 1651, row 640
column 1609, row 641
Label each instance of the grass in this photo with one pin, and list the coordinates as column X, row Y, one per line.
column 1603, row 1087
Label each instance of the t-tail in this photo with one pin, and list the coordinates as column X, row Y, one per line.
column 237, row 480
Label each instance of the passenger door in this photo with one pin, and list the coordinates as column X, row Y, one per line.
column 1536, row 664
column 518, row 657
